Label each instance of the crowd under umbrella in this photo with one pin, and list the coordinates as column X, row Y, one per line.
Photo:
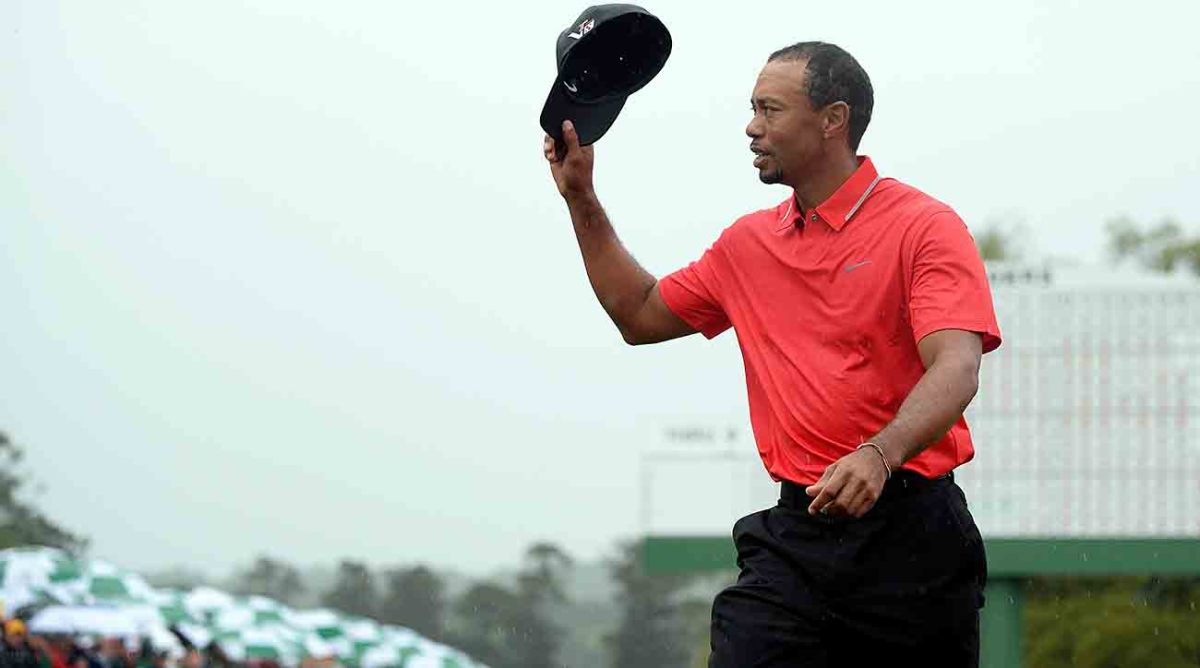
column 129, row 623
column 94, row 597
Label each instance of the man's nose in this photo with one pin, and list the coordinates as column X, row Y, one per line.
column 754, row 128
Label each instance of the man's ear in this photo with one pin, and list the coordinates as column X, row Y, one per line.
column 836, row 119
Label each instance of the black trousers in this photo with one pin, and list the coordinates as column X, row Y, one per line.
column 900, row 586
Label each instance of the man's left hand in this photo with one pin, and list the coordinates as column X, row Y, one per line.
column 850, row 486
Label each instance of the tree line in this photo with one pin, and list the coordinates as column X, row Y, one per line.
column 519, row 621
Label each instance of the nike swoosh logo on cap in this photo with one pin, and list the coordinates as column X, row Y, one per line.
column 570, row 87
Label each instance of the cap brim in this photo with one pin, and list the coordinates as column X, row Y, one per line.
column 591, row 121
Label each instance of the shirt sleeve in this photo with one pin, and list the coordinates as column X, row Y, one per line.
column 948, row 286
column 694, row 292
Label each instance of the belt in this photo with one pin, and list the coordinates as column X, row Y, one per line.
column 902, row 483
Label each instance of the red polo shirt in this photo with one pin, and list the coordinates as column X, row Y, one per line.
column 828, row 306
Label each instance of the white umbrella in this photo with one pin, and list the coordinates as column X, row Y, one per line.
column 143, row 616
column 14, row 599
column 206, row 602
column 73, row 620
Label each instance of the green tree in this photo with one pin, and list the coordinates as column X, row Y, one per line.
column 540, row 591
column 1163, row 247
column 1002, row 239
column 273, row 578
column 353, row 590
column 651, row 632
column 1109, row 622
column 20, row 522
column 484, row 623
column 513, row 627
column 415, row 597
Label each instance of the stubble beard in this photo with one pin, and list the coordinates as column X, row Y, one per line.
column 771, row 177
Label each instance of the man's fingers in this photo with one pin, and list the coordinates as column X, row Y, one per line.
column 570, row 137
column 843, row 502
column 552, row 149
column 829, row 492
column 858, row 504
column 815, row 488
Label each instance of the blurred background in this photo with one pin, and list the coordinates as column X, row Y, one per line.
column 294, row 315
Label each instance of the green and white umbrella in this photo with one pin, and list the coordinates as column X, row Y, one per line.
column 172, row 608
column 43, row 574
column 388, row 656
column 101, row 582
column 321, row 621
column 250, row 644
column 205, row 603
column 326, row 632
column 250, row 612
column 420, row 654
column 28, row 573
column 317, row 648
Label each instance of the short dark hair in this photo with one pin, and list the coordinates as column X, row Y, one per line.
column 834, row 75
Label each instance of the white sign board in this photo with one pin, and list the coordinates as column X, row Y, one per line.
column 1087, row 423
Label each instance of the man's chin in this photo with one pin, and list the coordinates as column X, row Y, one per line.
column 770, row 176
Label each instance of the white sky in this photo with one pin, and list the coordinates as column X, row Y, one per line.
column 292, row 276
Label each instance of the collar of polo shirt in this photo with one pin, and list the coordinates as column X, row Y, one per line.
column 841, row 205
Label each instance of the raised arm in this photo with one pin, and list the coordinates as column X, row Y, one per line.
column 628, row 293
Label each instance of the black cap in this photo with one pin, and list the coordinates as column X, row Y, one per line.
column 609, row 53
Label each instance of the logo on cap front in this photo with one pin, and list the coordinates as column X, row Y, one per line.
column 583, row 29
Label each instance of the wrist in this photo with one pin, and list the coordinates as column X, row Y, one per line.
column 878, row 452
column 893, row 451
column 581, row 198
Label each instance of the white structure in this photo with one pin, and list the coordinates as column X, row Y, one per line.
column 1087, row 421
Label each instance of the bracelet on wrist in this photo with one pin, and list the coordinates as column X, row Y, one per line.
column 882, row 456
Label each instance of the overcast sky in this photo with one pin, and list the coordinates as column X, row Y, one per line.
column 292, row 276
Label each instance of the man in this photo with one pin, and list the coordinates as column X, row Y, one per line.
column 15, row 651
column 862, row 309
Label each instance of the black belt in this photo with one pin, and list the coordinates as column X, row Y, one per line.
column 902, row 483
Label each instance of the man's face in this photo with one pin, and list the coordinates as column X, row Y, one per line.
column 786, row 132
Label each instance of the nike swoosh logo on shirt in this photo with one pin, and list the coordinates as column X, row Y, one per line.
column 856, row 265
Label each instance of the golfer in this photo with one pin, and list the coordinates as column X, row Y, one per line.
column 862, row 310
